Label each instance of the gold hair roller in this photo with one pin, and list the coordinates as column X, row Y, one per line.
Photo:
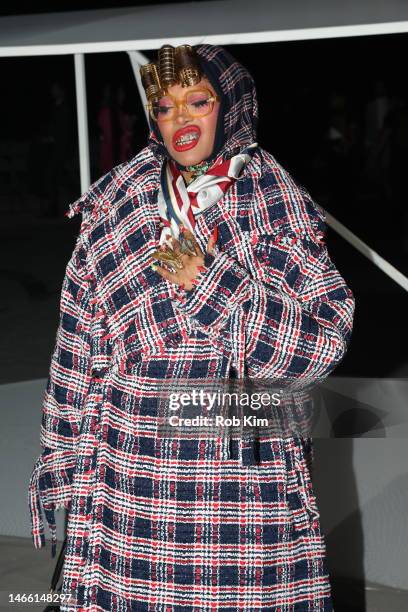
column 150, row 81
column 188, row 69
column 175, row 65
column 167, row 68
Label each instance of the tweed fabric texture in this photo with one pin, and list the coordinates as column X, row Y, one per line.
column 166, row 525
column 188, row 525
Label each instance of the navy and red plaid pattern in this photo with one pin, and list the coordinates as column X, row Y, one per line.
column 162, row 524
column 158, row 524
column 239, row 103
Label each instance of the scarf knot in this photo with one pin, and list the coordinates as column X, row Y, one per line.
column 180, row 203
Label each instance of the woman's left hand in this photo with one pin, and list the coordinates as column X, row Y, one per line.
column 192, row 264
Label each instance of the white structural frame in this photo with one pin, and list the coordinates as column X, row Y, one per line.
column 102, row 31
column 137, row 59
column 82, row 119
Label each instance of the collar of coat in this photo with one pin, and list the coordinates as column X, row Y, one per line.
column 296, row 212
column 140, row 173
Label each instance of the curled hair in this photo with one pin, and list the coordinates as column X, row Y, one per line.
column 174, row 65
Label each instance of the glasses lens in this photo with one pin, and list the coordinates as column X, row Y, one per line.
column 163, row 109
column 199, row 103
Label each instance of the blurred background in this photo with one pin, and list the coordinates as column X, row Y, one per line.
column 334, row 113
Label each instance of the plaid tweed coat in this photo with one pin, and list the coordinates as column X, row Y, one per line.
column 160, row 524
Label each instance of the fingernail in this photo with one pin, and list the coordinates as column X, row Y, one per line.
column 182, row 286
column 214, row 235
column 154, row 266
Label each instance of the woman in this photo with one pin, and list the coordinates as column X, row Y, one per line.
column 241, row 286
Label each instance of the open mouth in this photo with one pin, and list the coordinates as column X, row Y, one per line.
column 186, row 138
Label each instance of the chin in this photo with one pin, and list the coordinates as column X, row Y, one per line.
column 188, row 158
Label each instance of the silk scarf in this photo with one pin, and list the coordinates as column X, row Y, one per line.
column 180, row 203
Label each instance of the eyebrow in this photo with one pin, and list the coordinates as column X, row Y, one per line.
column 213, row 93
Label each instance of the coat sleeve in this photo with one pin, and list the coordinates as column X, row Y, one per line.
column 63, row 399
column 295, row 321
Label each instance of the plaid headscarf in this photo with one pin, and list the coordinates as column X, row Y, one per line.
column 235, row 130
column 238, row 115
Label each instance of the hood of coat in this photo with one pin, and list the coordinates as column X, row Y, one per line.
column 238, row 115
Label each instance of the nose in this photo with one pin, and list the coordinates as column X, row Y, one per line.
column 181, row 114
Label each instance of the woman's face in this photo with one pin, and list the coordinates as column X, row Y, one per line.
column 189, row 140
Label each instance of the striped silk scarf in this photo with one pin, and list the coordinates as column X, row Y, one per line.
column 181, row 203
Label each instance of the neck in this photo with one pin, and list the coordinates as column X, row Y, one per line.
column 192, row 172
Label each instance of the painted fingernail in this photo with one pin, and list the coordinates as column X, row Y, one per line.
column 182, row 286
column 214, row 235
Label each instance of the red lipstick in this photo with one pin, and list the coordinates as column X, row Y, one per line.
column 186, row 138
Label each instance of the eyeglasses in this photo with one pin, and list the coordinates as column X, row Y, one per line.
column 197, row 103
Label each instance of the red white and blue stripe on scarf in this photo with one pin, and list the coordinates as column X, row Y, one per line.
column 181, row 203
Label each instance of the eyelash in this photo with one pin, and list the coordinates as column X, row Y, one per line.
column 200, row 103
column 164, row 109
